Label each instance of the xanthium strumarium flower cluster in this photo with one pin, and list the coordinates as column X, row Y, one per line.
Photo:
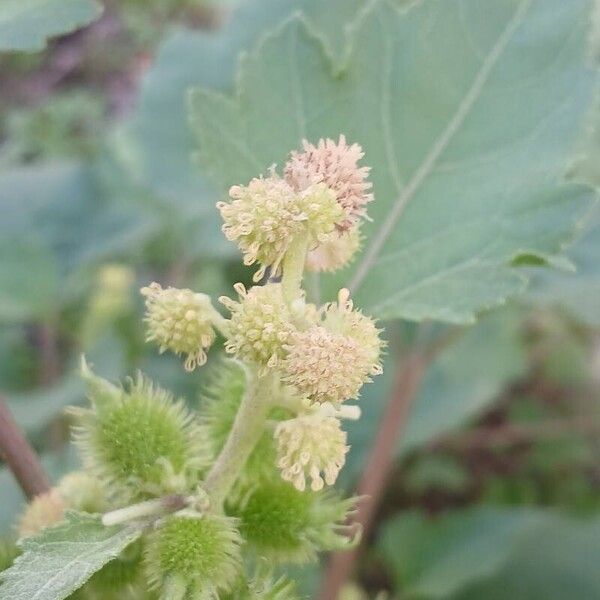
column 246, row 478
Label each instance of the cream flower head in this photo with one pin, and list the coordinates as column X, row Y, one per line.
column 262, row 217
column 181, row 321
column 325, row 366
column 336, row 166
column 335, row 251
column 267, row 214
column 260, row 325
column 344, row 319
column 310, row 446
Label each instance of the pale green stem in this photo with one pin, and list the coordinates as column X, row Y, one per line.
column 293, row 268
column 248, row 426
column 149, row 508
column 220, row 323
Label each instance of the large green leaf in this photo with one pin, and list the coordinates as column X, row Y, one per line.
column 62, row 558
column 467, row 113
column 576, row 292
column 25, row 25
column 516, row 554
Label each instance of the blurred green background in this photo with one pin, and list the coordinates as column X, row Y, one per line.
column 496, row 489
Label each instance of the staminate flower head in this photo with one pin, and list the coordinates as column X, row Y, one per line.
column 193, row 556
column 326, row 366
column 181, row 321
column 260, row 325
column 310, row 446
column 265, row 216
column 320, row 211
column 262, row 217
column 139, row 441
column 334, row 251
column 343, row 318
column 335, row 165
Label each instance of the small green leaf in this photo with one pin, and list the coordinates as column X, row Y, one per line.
column 25, row 25
column 62, row 558
column 468, row 155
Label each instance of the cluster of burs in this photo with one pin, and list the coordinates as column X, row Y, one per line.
column 241, row 486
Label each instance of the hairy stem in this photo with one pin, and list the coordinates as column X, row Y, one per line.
column 149, row 508
column 293, row 268
column 20, row 456
column 247, row 428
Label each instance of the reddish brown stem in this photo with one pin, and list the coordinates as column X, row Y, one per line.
column 378, row 467
column 20, row 456
column 49, row 356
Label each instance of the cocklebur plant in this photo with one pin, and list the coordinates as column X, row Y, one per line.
column 216, row 497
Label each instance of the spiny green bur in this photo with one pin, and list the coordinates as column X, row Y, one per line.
column 274, row 519
column 140, row 440
column 203, row 553
column 283, row 524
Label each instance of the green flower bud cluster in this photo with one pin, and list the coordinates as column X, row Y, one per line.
column 220, row 492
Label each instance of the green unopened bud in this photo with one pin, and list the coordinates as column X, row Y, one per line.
column 139, row 441
column 260, row 325
column 192, row 555
column 283, row 524
column 181, row 321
